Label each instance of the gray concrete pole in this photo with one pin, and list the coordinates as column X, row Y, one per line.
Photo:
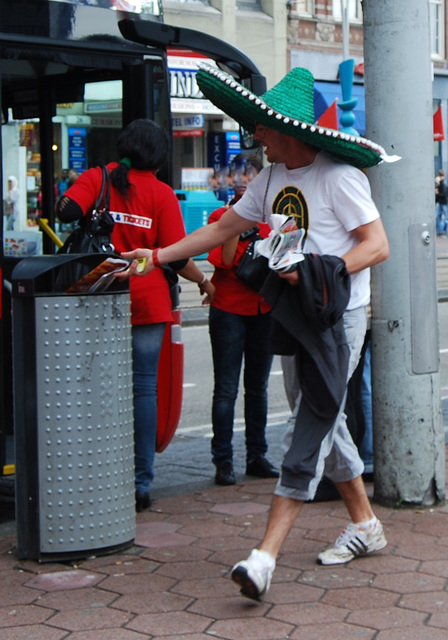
column 408, row 434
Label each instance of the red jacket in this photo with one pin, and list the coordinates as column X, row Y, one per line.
column 232, row 294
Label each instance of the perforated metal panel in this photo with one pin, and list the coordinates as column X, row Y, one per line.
column 84, row 422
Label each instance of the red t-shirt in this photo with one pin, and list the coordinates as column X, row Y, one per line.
column 232, row 294
column 150, row 217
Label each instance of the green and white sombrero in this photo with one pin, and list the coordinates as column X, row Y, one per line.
column 289, row 108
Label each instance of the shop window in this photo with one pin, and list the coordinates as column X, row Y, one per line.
column 21, row 185
column 84, row 131
column 354, row 10
column 437, row 31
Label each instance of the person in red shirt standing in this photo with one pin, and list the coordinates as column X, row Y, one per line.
column 239, row 326
column 146, row 213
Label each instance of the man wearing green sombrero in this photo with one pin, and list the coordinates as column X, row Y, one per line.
column 314, row 176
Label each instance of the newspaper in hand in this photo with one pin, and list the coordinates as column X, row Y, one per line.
column 101, row 277
column 284, row 245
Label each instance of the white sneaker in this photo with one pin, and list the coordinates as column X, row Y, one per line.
column 353, row 542
column 254, row 574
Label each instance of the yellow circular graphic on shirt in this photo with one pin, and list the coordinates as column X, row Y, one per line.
column 290, row 201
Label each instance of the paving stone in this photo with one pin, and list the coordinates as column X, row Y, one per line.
column 286, row 592
column 430, row 601
column 435, row 568
column 62, row 580
column 153, row 602
column 335, row 631
column 105, row 634
column 203, row 569
column 240, row 508
column 224, row 543
column 227, row 608
column 165, row 624
column 412, row 633
column 35, row 632
column 85, row 619
column 207, row 588
column 12, row 591
column 408, row 582
column 165, row 555
column 76, row 599
column 146, row 538
column 250, row 629
column 307, row 613
column 137, row 583
column 127, row 564
column 29, row 615
column 383, row 562
column 427, row 551
column 361, row 598
column 337, row 577
column 387, row 618
column 439, row 620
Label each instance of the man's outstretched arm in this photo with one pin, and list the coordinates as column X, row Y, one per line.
column 202, row 240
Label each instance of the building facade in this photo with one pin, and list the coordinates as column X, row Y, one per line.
column 256, row 27
column 319, row 40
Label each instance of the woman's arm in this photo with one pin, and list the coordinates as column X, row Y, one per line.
column 229, row 250
column 67, row 210
column 192, row 273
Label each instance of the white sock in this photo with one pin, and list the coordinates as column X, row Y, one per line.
column 368, row 525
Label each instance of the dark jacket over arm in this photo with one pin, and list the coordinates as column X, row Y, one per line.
column 310, row 325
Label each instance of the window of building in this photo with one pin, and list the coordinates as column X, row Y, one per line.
column 304, row 7
column 354, row 10
column 249, row 5
column 436, row 23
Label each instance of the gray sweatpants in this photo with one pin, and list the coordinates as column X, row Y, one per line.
column 338, row 459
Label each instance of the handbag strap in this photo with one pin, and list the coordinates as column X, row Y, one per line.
column 104, row 194
column 266, row 193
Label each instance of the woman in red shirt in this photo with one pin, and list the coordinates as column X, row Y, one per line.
column 239, row 326
column 147, row 214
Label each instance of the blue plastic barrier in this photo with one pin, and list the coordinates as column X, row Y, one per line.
column 196, row 207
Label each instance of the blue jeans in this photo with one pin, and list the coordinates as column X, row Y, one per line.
column 232, row 337
column 366, row 449
column 146, row 345
column 441, row 221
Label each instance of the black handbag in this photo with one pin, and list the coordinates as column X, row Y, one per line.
column 91, row 235
column 253, row 270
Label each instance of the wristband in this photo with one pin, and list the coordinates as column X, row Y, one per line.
column 155, row 259
column 204, row 278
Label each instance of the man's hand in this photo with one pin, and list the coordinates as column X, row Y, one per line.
column 292, row 277
column 141, row 263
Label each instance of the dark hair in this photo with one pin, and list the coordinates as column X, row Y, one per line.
column 146, row 145
column 253, row 162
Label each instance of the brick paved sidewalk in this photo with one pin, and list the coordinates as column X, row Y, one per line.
column 174, row 583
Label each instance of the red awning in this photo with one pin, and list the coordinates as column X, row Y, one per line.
column 439, row 133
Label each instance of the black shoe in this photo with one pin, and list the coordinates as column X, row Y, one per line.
column 142, row 500
column 224, row 474
column 261, row 468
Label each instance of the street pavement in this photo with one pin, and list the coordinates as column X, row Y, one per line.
column 173, row 582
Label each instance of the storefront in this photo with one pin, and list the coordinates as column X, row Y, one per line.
column 204, row 138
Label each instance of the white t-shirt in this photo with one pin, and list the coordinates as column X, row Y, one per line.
column 329, row 199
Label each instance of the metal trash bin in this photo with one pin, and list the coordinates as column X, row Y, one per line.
column 73, row 415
